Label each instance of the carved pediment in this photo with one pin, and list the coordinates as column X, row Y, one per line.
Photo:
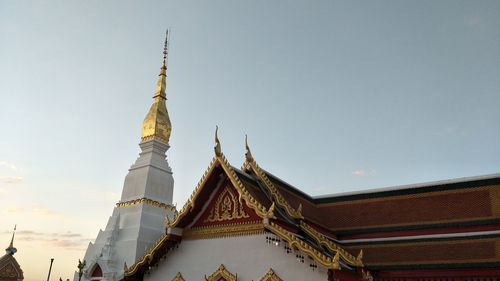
column 221, row 274
column 178, row 277
column 226, row 207
column 9, row 271
column 270, row 276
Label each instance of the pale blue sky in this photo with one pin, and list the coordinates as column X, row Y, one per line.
column 335, row 96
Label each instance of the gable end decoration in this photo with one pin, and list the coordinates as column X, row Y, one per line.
column 221, row 273
column 178, row 277
column 226, row 207
column 270, row 276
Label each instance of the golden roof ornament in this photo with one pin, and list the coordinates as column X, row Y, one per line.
column 217, row 147
column 248, row 153
column 156, row 125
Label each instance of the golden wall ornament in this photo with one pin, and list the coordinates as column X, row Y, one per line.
column 178, row 277
column 225, row 230
column 146, row 201
column 270, row 276
column 221, row 272
column 226, row 207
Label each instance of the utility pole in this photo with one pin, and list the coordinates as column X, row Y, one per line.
column 50, row 268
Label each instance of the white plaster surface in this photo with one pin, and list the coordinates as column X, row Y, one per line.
column 250, row 257
column 133, row 229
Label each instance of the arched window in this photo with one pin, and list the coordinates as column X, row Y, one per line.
column 96, row 273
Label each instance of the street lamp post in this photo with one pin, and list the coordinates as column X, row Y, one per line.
column 50, row 268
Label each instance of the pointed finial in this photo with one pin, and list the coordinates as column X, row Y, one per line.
column 13, row 234
column 165, row 48
column 11, row 249
column 360, row 256
column 270, row 212
column 248, row 153
column 217, row 148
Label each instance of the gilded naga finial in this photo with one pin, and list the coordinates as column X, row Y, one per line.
column 217, row 148
column 248, row 153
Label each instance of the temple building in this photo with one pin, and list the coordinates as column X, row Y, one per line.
column 10, row 270
column 244, row 223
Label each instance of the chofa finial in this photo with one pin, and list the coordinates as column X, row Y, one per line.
column 248, row 153
column 217, row 148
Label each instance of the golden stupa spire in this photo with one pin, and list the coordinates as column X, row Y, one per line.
column 156, row 125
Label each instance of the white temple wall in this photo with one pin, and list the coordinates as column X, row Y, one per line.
column 250, row 257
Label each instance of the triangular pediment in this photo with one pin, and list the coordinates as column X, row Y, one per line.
column 224, row 207
column 224, row 215
column 10, row 269
column 221, row 198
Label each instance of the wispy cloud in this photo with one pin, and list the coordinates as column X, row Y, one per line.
column 67, row 240
column 35, row 211
column 10, row 179
column 15, row 210
column 473, row 21
column 8, row 165
column 41, row 211
column 363, row 173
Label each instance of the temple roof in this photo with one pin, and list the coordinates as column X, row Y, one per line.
column 388, row 228
column 9, row 267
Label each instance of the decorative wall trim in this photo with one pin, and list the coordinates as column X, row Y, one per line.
column 224, row 230
column 145, row 201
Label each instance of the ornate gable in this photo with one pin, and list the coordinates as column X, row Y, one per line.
column 178, row 277
column 226, row 207
column 221, row 274
column 10, row 269
column 225, row 215
column 270, row 276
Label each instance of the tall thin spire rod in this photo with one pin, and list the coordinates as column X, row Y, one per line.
column 165, row 47
column 13, row 234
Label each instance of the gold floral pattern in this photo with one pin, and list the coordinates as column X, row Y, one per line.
column 226, row 207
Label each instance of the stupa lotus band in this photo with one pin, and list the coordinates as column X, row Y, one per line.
column 244, row 223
